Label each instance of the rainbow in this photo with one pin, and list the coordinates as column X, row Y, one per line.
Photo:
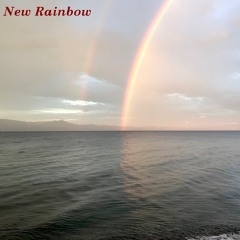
column 92, row 51
column 139, row 59
column 93, row 46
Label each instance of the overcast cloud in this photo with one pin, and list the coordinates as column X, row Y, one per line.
column 77, row 68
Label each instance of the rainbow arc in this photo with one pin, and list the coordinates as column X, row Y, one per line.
column 132, row 79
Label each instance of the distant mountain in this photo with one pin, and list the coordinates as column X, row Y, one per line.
column 13, row 125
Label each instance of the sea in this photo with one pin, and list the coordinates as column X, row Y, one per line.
column 120, row 185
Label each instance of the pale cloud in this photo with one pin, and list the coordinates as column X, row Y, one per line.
column 80, row 103
column 57, row 111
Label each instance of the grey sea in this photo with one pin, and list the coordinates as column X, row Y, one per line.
column 119, row 185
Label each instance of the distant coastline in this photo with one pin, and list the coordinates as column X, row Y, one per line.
column 58, row 125
column 7, row 125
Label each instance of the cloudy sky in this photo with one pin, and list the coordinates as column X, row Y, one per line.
column 77, row 68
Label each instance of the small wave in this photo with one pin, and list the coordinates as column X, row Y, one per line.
column 231, row 236
column 21, row 151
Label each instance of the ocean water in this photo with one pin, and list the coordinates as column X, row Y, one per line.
column 119, row 185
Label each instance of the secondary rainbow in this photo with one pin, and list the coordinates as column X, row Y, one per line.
column 139, row 59
column 92, row 51
column 93, row 46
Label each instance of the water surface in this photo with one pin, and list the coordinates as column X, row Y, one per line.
column 119, row 185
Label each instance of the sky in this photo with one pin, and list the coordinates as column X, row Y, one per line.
column 78, row 68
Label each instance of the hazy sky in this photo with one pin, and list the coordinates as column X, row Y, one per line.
column 76, row 68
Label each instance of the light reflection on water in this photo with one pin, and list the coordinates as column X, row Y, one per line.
column 146, row 168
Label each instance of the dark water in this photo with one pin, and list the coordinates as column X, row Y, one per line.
column 119, row 185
